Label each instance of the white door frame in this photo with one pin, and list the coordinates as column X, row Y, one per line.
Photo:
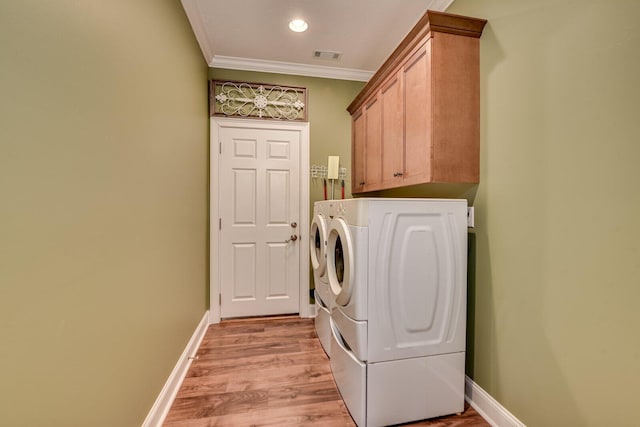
column 214, row 232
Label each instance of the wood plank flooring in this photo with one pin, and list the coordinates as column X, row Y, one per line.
column 269, row 372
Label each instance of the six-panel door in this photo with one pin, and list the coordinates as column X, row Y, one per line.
column 259, row 194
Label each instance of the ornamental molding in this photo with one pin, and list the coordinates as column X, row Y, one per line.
column 257, row 100
column 279, row 67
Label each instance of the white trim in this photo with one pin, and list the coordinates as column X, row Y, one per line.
column 490, row 409
column 249, row 64
column 214, row 211
column 312, row 311
column 304, row 222
column 214, row 236
column 163, row 403
column 194, row 15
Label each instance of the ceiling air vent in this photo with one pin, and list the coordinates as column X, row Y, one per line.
column 325, row 54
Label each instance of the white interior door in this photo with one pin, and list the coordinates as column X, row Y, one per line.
column 259, row 224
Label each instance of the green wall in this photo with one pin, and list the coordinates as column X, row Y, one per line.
column 557, row 338
column 103, row 217
column 103, row 207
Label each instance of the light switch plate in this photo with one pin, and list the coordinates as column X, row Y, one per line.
column 333, row 167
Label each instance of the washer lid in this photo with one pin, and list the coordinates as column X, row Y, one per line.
column 340, row 261
column 318, row 244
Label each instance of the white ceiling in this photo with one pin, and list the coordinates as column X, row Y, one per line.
column 254, row 34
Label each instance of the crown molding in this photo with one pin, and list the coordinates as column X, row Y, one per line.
column 248, row 64
column 194, row 15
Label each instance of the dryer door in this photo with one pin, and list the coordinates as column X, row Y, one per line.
column 318, row 245
column 340, row 261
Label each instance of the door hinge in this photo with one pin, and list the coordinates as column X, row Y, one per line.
column 220, row 147
column 219, row 299
column 219, row 223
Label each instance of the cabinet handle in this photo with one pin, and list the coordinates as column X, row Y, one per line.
column 397, row 174
column 362, row 183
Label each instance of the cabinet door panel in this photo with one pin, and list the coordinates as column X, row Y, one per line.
column 392, row 132
column 357, row 152
column 418, row 126
column 373, row 145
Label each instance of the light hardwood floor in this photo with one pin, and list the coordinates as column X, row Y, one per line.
column 268, row 372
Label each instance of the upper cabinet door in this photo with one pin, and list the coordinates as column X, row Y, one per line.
column 392, row 131
column 373, row 145
column 417, row 116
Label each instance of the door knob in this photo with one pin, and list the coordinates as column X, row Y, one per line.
column 294, row 224
column 293, row 238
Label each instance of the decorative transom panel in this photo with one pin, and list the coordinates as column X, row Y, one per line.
column 257, row 100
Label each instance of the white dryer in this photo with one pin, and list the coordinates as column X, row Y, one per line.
column 397, row 269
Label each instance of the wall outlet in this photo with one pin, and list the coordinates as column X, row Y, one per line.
column 470, row 217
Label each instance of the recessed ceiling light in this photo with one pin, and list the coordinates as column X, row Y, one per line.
column 298, row 25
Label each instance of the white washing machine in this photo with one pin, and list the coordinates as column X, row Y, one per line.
column 322, row 215
column 323, row 212
column 397, row 269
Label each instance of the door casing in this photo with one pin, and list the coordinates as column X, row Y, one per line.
column 217, row 123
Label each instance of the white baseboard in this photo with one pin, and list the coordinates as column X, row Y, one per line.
column 163, row 403
column 490, row 409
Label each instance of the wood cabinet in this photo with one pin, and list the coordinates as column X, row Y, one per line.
column 417, row 120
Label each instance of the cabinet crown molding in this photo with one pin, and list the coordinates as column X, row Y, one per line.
column 431, row 22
